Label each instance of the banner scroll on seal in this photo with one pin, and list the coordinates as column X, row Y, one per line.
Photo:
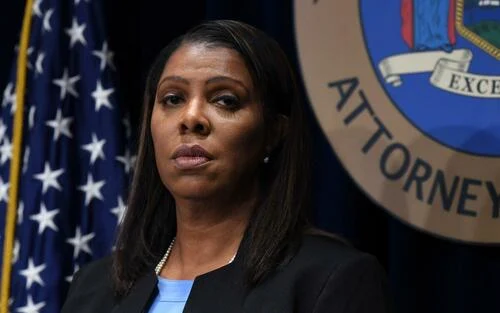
column 449, row 72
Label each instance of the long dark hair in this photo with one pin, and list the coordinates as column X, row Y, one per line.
column 276, row 226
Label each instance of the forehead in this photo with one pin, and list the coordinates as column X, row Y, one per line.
column 200, row 61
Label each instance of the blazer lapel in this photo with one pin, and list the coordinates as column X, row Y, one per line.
column 140, row 296
column 220, row 291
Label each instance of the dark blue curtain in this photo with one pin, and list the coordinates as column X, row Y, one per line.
column 426, row 274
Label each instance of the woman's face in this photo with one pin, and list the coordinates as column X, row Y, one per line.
column 207, row 124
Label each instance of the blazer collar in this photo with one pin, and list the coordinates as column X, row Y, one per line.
column 221, row 290
column 140, row 297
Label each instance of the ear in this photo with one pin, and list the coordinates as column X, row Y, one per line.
column 277, row 131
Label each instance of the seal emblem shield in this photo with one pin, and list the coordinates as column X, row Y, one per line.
column 479, row 22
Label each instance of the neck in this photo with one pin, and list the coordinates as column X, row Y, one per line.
column 208, row 235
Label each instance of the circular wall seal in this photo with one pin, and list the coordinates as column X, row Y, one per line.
column 408, row 94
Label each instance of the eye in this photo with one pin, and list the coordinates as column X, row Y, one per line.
column 172, row 100
column 228, row 101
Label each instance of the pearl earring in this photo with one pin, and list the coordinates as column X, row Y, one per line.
column 266, row 159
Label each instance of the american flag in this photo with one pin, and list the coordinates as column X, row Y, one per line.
column 76, row 160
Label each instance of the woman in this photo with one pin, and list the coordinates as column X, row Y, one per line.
column 216, row 220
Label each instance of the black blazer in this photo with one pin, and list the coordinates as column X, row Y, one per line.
column 325, row 276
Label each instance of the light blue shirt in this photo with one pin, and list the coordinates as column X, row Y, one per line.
column 172, row 296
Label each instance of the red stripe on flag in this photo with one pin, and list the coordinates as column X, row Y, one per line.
column 451, row 23
column 407, row 22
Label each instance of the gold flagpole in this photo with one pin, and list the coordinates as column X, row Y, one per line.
column 15, row 163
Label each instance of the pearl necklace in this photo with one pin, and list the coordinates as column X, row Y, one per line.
column 160, row 264
column 164, row 258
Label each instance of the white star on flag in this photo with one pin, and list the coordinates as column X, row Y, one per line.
column 5, row 151
column 4, row 191
column 49, row 178
column 29, row 52
column 61, row 125
column 80, row 243
column 26, row 158
column 31, row 117
column 69, row 278
column 76, row 33
column 15, row 251
column 20, row 212
column 78, row 1
column 128, row 160
column 32, row 273
column 119, row 210
column 3, row 129
column 39, row 63
column 13, row 108
column 45, row 219
column 46, row 20
column 92, row 189
column 128, row 129
column 36, row 8
column 105, row 55
column 9, row 95
column 67, row 84
column 95, row 148
column 31, row 307
column 101, row 96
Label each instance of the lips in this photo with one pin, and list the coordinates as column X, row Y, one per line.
column 189, row 157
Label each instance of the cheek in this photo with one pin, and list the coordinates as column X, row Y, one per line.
column 162, row 146
column 155, row 131
column 245, row 142
column 160, row 133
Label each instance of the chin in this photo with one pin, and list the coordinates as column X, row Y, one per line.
column 193, row 190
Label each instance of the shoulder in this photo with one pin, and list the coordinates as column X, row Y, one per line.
column 325, row 250
column 334, row 260
column 322, row 258
column 324, row 275
column 342, row 275
column 98, row 267
column 97, row 274
column 91, row 289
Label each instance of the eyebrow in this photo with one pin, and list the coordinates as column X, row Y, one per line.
column 225, row 78
column 175, row 79
column 211, row 80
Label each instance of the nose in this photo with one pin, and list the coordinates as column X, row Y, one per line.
column 194, row 118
